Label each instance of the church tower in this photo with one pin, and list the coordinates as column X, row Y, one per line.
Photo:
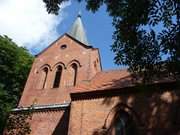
column 67, row 62
column 56, row 72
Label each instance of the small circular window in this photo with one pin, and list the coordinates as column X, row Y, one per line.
column 63, row 47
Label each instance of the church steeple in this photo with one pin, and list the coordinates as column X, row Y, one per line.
column 77, row 30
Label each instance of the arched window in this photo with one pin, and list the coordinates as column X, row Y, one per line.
column 125, row 124
column 74, row 66
column 57, row 78
column 72, row 74
column 43, row 78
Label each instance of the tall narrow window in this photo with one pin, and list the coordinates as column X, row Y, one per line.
column 74, row 66
column 57, row 78
column 45, row 78
column 72, row 74
column 42, row 83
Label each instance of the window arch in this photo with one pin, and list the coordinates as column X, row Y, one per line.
column 125, row 125
column 73, row 74
column 43, row 78
column 74, row 66
column 57, row 78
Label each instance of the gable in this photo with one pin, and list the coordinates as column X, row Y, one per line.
column 63, row 40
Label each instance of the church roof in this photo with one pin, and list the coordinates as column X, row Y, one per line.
column 113, row 79
column 105, row 80
column 77, row 31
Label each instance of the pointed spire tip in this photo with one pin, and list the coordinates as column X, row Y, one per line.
column 79, row 14
column 77, row 30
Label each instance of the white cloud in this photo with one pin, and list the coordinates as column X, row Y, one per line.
column 28, row 23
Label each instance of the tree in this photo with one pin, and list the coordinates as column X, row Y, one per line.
column 137, row 44
column 15, row 63
column 18, row 123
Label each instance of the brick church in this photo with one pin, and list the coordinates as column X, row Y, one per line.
column 72, row 95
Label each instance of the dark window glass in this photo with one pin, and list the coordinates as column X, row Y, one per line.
column 57, row 78
column 44, row 75
column 63, row 46
column 74, row 66
column 125, row 124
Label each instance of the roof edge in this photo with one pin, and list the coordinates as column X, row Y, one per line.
column 110, row 92
column 84, row 45
column 49, row 45
column 42, row 107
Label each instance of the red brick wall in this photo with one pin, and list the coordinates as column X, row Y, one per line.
column 50, row 123
column 50, row 58
column 156, row 113
column 56, row 122
column 87, row 116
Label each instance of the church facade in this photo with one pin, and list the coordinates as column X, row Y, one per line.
column 72, row 95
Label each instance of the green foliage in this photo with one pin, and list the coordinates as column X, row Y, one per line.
column 53, row 6
column 19, row 123
column 15, row 63
column 147, row 52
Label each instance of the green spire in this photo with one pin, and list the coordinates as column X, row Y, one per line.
column 77, row 30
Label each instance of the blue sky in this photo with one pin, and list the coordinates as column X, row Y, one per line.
column 98, row 28
column 29, row 25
